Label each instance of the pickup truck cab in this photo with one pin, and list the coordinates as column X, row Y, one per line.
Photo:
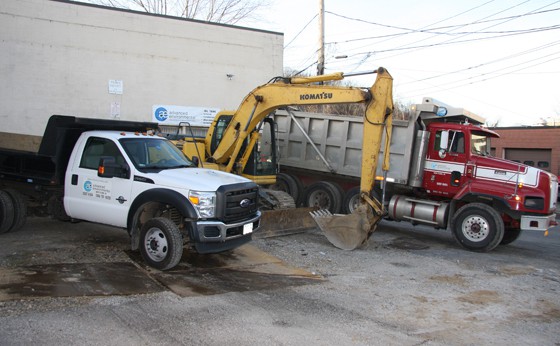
column 143, row 183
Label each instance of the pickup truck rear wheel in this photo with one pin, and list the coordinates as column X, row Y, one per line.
column 478, row 227
column 6, row 212
column 20, row 209
column 161, row 243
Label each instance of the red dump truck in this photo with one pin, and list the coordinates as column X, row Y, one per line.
column 441, row 173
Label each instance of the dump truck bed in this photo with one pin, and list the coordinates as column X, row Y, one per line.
column 339, row 140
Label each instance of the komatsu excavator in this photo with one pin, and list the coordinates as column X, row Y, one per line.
column 232, row 142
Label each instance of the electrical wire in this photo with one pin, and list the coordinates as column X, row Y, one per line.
column 409, row 31
column 299, row 33
column 406, row 49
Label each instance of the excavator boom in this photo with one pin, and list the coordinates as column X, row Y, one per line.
column 260, row 102
column 236, row 134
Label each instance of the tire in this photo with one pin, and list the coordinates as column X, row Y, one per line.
column 6, row 212
column 477, row 227
column 290, row 184
column 20, row 209
column 161, row 243
column 352, row 199
column 510, row 235
column 56, row 208
column 325, row 195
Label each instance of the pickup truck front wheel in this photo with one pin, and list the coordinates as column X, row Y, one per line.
column 161, row 243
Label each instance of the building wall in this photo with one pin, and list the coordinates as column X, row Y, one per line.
column 58, row 57
column 530, row 138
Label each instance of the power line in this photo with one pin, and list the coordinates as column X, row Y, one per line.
column 480, row 21
column 489, row 75
column 432, row 31
column 299, row 33
column 470, row 68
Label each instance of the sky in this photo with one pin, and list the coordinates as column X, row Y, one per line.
column 499, row 59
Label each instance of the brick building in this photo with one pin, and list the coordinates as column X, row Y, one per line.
column 534, row 146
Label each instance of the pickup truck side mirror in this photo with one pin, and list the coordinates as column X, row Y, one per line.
column 109, row 168
column 195, row 160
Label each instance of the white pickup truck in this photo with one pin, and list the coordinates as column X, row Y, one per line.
column 116, row 173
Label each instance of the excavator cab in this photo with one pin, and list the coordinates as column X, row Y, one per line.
column 261, row 163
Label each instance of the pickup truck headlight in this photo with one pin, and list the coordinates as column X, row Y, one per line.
column 204, row 202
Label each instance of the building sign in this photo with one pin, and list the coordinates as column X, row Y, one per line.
column 174, row 115
column 115, row 87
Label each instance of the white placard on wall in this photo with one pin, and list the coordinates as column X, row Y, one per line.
column 174, row 115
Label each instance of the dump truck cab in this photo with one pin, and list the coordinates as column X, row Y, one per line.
column 459, row 167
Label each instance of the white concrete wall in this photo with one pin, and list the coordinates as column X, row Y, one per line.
column 58, row 58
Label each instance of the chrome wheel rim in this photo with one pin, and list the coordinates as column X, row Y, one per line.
column 155, row 244
column 475, row 228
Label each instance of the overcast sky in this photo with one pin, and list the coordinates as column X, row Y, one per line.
column 499, row 59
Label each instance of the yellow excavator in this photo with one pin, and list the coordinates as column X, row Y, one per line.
column 232, row 143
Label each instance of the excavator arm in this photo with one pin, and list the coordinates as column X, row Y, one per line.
column 233, row 149
column 260, row 102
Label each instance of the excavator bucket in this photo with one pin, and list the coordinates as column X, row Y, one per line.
column 280, row 222
column 347, row 232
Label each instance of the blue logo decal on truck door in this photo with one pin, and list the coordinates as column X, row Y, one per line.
column 88, row 186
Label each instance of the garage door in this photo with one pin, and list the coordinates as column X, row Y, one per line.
column 539, row 158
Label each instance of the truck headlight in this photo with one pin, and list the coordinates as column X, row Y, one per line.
column 204, row 202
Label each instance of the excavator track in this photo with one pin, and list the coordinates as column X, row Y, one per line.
column 282, row 199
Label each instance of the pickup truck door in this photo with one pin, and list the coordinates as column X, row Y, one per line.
column 93, row 198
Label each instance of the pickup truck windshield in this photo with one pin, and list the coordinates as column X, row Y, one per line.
column 154, row 153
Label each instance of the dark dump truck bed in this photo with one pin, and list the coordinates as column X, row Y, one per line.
column 48, row 165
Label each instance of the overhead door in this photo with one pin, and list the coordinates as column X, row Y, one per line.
column 539, row 158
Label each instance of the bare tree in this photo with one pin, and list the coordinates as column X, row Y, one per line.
column 217, row 11
column 492, row 124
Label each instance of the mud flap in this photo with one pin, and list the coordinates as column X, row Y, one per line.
column 347, row 232
column 281, row 222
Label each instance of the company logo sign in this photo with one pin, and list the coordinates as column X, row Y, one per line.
column 177, row 115
column 244, row 203
column 161, row 114
column 319, row 96
column 88, row 186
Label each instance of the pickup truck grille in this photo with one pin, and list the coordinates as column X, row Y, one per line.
column 237, row 202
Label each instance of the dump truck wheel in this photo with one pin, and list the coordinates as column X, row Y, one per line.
column 478, row 227
column 161, row 244
column 325, row 195
column 6, row 212
column 510, row 235
column 20, row 209
column 352, row 199
column 290, row 184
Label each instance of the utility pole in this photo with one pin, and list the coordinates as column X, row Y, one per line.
column 321, row 60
